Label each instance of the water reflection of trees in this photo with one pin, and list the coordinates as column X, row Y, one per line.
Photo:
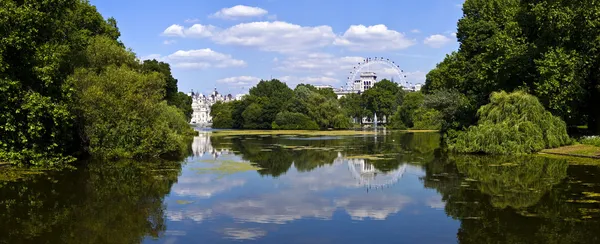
column 275, row 155
column 512, row 199
column 119, row 203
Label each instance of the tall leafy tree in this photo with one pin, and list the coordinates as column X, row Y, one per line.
column 42, row 42
column 549, row 48
column 352, row 106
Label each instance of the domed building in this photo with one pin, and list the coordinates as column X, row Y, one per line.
column 201, row 105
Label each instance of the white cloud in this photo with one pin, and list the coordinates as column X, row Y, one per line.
column 192, row 20
column 453, row 34
column 174, row 30
column 276, row 36
column 292, row 81
column 150, row 56
column 196, row 30
column 239, row 11
column 196, row 215
column 277, row 208
column 435, row 202
column 199, row 30
column 204, row 186
column 244, row 234
column 415, row 31
column 437, row 40
column 198, row 59
column 416, row 77
column 169, row 42
column 373, row 38
column 239, row 81
column 377, row 207
column 319, row 63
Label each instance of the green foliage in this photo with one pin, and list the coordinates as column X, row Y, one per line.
column 68, row 87
column 253, row 117
column 340, row 121
column 590, row 140
column 455, row 110
column 178, row 99
column 124, row 116
column 512, row 123
column 184, row 103
column 42, row 42
column 272, row 105
column 427, row 119
column 164, row 69
column 352, row 106
column 381, row 99
column 548, row 48
column 405, row 113
column 293, row 121
column 222, row 114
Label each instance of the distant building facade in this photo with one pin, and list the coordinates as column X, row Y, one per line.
column 201, row 105
column 367, row 81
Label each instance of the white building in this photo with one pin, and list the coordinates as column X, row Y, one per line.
column 201, row 106
column 323, row 87
column 201, row 146
column 366, row 82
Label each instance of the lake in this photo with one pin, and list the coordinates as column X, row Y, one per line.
column 390, row 187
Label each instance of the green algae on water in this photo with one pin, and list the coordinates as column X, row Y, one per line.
column 226, row 167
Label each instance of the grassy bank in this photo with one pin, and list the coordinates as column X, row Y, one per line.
column 579, row 154
column 579, row 150
column 419, row 131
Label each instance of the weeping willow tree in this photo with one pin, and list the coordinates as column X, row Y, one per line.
column 512, row 123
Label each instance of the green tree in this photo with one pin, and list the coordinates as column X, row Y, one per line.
column 406, row 112
column 352, row 106
column 455, row 110
column 253, row 117
column 274, row 96
column 427, row 119
column 548, row 48
column 293, row 121
column 222, row 114
column 512, row 123
column 183, row 102
column 381, row 99
column 173, row 97
column 42, row 43
column 124, row 116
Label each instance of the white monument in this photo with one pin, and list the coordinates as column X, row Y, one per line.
column 201, row 105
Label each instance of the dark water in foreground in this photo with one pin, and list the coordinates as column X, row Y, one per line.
column 393, row 188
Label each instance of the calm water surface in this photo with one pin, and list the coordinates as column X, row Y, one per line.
column 389, row 188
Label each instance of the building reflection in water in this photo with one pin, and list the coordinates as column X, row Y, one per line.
column 368, row 175
column 202, row 146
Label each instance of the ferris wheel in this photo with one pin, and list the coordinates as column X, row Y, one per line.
column 367, row 175
column 386, row 62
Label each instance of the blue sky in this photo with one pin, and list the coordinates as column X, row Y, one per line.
column 230, row 44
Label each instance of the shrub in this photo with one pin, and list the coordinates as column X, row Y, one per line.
column 405, row 112
column 590, row 140
column 293, row 121
column 341, row 121
column 512, row 123
column 124, row 115
column 427, row 119
column 455, row 109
